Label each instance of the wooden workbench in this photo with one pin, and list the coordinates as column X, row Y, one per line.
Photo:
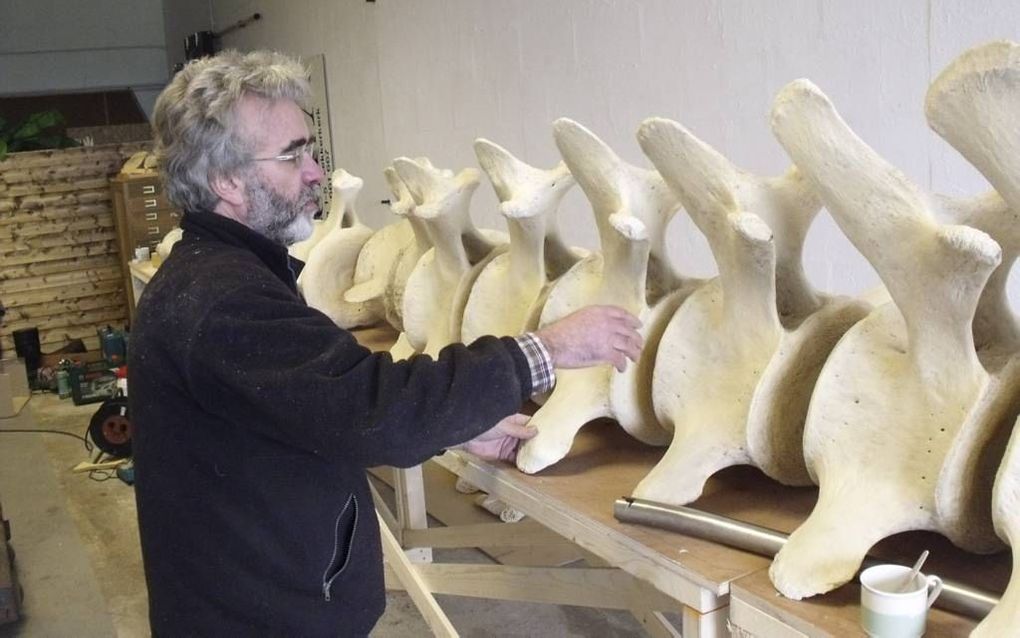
column 574, row 498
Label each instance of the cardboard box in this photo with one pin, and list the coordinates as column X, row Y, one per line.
column 51, row 360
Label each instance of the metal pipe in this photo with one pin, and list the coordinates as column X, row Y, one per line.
column 240, row 24
column 956, row 597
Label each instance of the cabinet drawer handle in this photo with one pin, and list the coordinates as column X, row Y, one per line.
column 148, row 190
column 151, row 217
column 153, row 230
column 151, row 203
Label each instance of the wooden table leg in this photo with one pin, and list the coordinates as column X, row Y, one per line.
column 409, row 486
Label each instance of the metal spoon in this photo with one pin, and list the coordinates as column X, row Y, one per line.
column 913, row 572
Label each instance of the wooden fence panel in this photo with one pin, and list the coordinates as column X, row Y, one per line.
column 59, row 264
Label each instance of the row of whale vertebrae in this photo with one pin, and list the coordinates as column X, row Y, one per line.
column 910, row 416
column 900, row 412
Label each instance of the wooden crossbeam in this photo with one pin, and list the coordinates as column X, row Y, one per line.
column 523, row 534
column 605, row 588
column 412, row 581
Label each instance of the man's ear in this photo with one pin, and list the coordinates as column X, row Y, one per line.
column 229, row 188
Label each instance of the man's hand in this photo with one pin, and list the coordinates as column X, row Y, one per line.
column 500, row 443
column 593, row 335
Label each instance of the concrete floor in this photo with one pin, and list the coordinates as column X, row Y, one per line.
column 79, row 561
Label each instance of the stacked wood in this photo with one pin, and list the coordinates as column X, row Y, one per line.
column 59, row 262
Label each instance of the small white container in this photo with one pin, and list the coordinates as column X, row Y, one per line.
column 888, row 612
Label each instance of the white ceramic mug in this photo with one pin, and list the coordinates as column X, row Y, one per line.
column 888, row 610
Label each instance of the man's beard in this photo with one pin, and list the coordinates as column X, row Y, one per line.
column 272, row 215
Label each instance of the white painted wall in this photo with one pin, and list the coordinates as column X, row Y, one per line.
column 71, row 45
column 413, row 77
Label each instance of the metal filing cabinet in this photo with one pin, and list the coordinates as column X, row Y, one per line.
column 143, row 215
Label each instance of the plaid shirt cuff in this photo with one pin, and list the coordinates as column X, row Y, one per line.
column 543, row 377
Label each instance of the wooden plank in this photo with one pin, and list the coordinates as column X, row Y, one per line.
column 71, row 291
column 57, row 279
column 12, row 232
column 836, row 614
column 77, row 170
column 46, row 241
column 524, row 533
column 57, row 186
column 65, row 294
column 18, row 163
column 18, row 216
column 59, row 322
column 108, row 247
column 57, row 266
column 409, row 576
column 35, row 312
column 75, row 155
column 55, row 200
column 409, row 488
column 384, row 512
column 85, row 466
column 584, row 586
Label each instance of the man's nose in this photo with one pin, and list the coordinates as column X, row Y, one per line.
column 311, row 172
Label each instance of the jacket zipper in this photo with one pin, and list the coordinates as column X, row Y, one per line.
column 327, row 581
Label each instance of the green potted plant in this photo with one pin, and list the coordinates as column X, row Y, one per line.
column 38, row 131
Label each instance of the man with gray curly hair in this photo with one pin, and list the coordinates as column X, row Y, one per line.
column 255, row 416
column 200, row 123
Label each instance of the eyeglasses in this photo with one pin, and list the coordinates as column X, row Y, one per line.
column 294, row 157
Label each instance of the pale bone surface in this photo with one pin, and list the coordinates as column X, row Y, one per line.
column 1005, row 616
column 389, row 256
column 321, row 227
column 632, row 207
column 508, row 295
column 436, row 290
column 167, row 243
column 329, row 268
column 738, row 361
column 904, row 385
column 964, row 489
column 974, row 104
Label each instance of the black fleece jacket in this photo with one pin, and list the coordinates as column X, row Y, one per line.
column 255, row 418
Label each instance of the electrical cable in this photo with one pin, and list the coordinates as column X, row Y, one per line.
column 96, row 475
column 103, row 475
column 88, row 445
